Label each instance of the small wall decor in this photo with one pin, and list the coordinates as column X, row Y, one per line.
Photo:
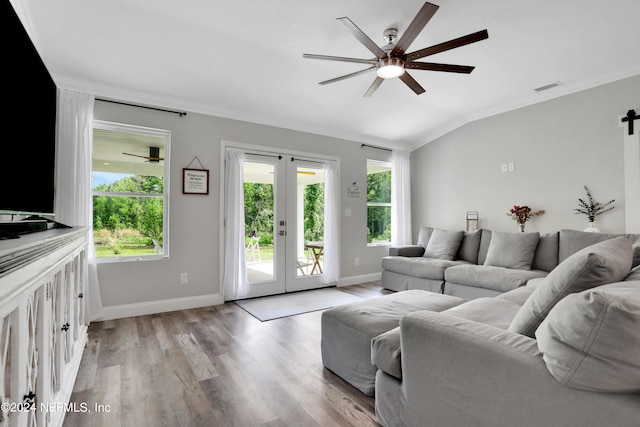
column 195, row 181
column 472, row 220
column 353, row 190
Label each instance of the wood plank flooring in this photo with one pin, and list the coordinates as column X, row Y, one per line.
column 214, row 366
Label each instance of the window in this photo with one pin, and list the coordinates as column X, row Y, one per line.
column 378, row 203
column 130, row 192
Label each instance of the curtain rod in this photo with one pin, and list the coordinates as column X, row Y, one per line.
column 377, row 148
column 180, row 113
column 266, row 155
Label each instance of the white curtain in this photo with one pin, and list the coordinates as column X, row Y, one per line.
column 234, row 281
column 400, row 198
column 73, row 204
column 331, row 271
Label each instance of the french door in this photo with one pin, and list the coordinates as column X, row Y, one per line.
column 284, row 208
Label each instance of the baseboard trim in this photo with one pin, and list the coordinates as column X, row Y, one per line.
column 356, row 280
column 161, row 306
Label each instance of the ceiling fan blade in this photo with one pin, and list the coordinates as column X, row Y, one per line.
column 451, row 44
column 145, row 157
column 410, row 81
column 136, row 155
column 347, row 76
column 422, row 18
column 340, row 58
column 374, row 86
column 448, row 68
column 363, row 38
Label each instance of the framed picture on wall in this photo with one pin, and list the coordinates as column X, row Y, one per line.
column 195, row 181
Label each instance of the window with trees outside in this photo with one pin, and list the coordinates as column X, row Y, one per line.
column 130, row 193
column 378, row 202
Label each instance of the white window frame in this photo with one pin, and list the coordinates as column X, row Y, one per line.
column 372, row 204
column 152, row 132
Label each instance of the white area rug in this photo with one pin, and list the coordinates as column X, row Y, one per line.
column 277, row 306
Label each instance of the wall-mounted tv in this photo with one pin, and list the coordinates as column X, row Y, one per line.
column 27, row 170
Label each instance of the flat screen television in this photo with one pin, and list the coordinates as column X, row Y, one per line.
column 27, row 172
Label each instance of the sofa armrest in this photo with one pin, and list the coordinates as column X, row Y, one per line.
column 408, row 250
column 460, row 372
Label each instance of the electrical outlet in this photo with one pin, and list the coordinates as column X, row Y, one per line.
column 504, row 167
column 357, row 262
column 184, row 278
column 512, row 166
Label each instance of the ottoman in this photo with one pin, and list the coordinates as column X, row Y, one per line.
column 347, row 331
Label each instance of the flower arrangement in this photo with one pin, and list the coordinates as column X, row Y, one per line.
column 522, row 214
column 591, row 208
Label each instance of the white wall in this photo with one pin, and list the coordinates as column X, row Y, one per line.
column 195, row 219
column 557, row 146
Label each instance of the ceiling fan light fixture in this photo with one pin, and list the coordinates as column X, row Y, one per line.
column 390, row 68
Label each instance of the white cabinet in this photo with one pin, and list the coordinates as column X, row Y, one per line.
column 43, row 329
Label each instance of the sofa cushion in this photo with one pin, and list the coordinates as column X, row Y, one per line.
column 443, row 244
column 469, row 247
column 571, row 241
column 520, row 295
column 546, row 256
column 489, row 311
column 634, row 274
column 406, row 250
column 512, row 250
column 425, row 268
column 590, row 340
column 496, row 278
column 485, row 241
column 604, row 262
column 385, row 352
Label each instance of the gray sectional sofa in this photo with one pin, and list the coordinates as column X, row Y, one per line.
column 481, row 263
column 561, row 348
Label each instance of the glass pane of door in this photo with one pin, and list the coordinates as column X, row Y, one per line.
column 259, row 220
column 309, row 220
column 305, row 214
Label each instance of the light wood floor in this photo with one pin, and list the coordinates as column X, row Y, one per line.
column 214, row 366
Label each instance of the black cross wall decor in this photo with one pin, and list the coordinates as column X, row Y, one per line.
column 631, row 116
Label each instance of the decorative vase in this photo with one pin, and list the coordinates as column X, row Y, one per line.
column 521, row 227
column 591, row 228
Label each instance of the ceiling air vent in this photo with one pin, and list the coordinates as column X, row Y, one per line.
column 549, row 86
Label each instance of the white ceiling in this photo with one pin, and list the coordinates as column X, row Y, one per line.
column 242, row 59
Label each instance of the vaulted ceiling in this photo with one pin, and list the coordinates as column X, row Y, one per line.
column 243, row 59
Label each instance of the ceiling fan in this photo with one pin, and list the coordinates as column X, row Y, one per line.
column 153, row 157
column 393, row 61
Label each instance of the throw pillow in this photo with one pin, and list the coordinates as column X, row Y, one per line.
column 590, row 340
column 599, row 264
column 469, row 247
column 424, row 235
column 636, row 254
column 572, row 241
column 546, row 257
column 512, row 250
column 443, row 244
